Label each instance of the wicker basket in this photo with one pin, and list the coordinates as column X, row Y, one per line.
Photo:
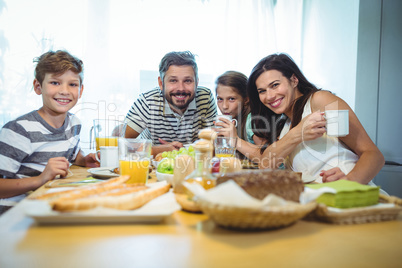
column 187, row 204
column 359, row 215
column 253, row 219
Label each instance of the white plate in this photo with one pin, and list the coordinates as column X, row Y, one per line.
column 164, row 177
column 152, row 212
column 155, row 163
column 307, row 178
column 188, row 145
column 103, row 172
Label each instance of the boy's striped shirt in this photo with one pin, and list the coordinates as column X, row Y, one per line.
column 27, row 143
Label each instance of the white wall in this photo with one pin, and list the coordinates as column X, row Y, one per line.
column 330, row 45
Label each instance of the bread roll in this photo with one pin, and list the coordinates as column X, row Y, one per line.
column 158, row 157
column 207, row 134
column 124, row 201
column 113, row 193
column 260, row 183
column 184, row 165
column 85, row 190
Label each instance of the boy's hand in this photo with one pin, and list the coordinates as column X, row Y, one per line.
column 90, row 160
column 55, row 166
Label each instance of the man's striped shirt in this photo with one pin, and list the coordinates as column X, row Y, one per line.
column 152, row 117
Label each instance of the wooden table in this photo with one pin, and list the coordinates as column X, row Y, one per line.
column 192, row 240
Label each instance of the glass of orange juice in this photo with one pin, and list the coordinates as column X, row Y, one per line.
column 107, row 131
column 225, row 147
column 135, row 159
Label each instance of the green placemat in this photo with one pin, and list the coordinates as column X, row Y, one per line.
column 86, row 181
column 349, row 194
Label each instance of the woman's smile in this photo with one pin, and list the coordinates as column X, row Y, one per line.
column 276, row 103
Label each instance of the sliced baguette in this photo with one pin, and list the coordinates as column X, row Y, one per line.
column 125, row 201
column 85, row 190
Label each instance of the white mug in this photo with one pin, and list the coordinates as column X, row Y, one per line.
column 337, row 122
column 229, row 117
column 109, row 156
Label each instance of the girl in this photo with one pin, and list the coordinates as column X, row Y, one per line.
column 288, row 113
column 231, row 95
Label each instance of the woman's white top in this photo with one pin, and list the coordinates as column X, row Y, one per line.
column 310, row 157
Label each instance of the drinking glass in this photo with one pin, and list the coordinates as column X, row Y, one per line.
column 225, row 147
column 107, row 132
column 134, row 159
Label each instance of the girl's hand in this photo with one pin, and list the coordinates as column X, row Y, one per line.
column 55, row 166
column 225, row 128
column 312, row 126
column 332, row 174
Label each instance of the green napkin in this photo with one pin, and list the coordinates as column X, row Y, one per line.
column 349, row 194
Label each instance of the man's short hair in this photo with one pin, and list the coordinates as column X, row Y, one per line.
column 177, row 58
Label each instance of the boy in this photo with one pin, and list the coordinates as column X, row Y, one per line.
column 40, row 145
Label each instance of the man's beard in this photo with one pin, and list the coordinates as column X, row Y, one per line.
column 179, row 105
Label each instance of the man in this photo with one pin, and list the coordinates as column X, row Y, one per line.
column 172, row 114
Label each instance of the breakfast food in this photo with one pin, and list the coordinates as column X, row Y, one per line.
column 113, row 193
column 201, row 173
column 260, row 183
column 207, row 134
column 184, row 165
column 87, row 190
column 166, row 166
column 349, row 194
column 229, row 165
column 158, row 157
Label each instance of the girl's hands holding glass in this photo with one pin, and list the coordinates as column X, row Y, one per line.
column 225, row 127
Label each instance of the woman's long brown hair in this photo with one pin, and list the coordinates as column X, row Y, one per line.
column 265, row 123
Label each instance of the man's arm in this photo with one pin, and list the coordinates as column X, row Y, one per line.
column 131, row 133
column 210, row 112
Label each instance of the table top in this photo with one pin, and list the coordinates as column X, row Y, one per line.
column 193, row 240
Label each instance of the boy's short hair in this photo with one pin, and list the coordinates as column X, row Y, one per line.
column 57, row 63
column 177, row 58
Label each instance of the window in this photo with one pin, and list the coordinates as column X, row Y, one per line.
column 122, row 41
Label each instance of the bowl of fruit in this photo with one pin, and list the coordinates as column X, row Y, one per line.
column 164, row 162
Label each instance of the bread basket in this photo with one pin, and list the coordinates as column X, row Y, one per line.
column 255, row 219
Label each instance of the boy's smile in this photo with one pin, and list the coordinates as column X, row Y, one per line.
column 59, row 93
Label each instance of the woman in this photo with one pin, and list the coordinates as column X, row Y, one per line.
column 288, row 112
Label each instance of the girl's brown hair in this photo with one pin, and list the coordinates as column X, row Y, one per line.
column 238, row 82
